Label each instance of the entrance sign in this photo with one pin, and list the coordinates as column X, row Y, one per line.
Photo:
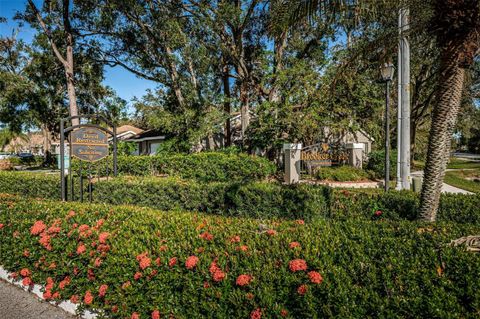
column 323, row 154
column 89, row 144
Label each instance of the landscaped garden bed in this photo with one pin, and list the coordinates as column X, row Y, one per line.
column 128, row 262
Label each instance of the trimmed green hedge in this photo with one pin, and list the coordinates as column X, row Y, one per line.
column 205, row 166
column 401, row 205
column 252, row 199
column 116, row 260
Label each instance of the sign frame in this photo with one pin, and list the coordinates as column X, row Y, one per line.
column 68, row 131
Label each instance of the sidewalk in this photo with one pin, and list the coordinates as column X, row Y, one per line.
column 445, row 187
column 16, row 303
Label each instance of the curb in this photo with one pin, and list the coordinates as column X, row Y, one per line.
column 36, row 290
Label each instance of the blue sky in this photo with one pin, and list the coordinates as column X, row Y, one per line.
column 123, row 82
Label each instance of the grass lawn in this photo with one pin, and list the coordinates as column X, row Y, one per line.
column 456, row 163
column 459, row 179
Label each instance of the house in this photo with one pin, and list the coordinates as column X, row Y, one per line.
column 32, row 143
column 147, row 142
column 126, row 132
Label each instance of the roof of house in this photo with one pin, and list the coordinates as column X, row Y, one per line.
column 147, row 135
column 129, row 128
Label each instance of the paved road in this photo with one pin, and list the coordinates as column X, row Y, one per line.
column 445, row 187
column 16, row 303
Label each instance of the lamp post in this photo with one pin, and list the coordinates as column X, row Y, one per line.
column 386, row 71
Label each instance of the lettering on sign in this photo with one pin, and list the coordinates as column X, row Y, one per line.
column 323, row 154
column 89, row 144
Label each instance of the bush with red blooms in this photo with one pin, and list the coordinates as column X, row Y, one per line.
column 132, row 262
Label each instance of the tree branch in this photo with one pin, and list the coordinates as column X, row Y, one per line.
column 48, row 33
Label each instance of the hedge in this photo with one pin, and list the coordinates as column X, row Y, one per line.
column 205, row 166
column 252, row 199
column 126, row 261
column 396, row 205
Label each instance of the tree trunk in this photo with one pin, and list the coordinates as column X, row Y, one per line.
column 244, row 109
column 72, row 97
column 47, row 144
column 449, row 94
column 226, row 105
column 174, row 77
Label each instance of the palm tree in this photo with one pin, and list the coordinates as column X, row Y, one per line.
column 456, row 27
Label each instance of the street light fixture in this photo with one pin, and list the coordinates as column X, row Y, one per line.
column 386, row 71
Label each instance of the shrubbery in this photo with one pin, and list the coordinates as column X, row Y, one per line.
column 376, row 163
column 343, row 173
column 401, row 205
column 253, row 199
column 125, row 261
column 205, row 166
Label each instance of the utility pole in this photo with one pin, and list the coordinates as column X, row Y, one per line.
column 403, row 126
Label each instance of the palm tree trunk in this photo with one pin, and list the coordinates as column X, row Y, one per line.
column 449, row 94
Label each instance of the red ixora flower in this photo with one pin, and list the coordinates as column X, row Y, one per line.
column 297, row 265
column 135, row 316
column 219, row 275
column 88, row 298
column 143, row 260
column 155, row 314
column 102, row 290
column 191, row 262
column 25, row 272
column 1, row 225
column 83, row 228
column 172, row 262
column 302, row 289
column 242, row 248
column 256, row 314
column 284, row 313
column 300, row 221
column 27, row 281
column 206, row 235
column 271, row 232
column 315, row 277
column 81, row 249
column 102, row 238
column 64, row 282
column 97, row 262
column 294, row 244
column 74, row 299
column 235, row 239
column 243, row 280
column 137, row 275
column 37, row 228
column 70, row 214
column 47, row 295
column 378, row 213
column 45, row 241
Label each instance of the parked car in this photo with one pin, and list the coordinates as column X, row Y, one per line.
column 25, row 156
column 4, row 155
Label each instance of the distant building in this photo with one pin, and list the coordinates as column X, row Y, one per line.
column 147, row 142
column 31, row 143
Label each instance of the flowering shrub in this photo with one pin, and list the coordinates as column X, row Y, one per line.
column 153, row 264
